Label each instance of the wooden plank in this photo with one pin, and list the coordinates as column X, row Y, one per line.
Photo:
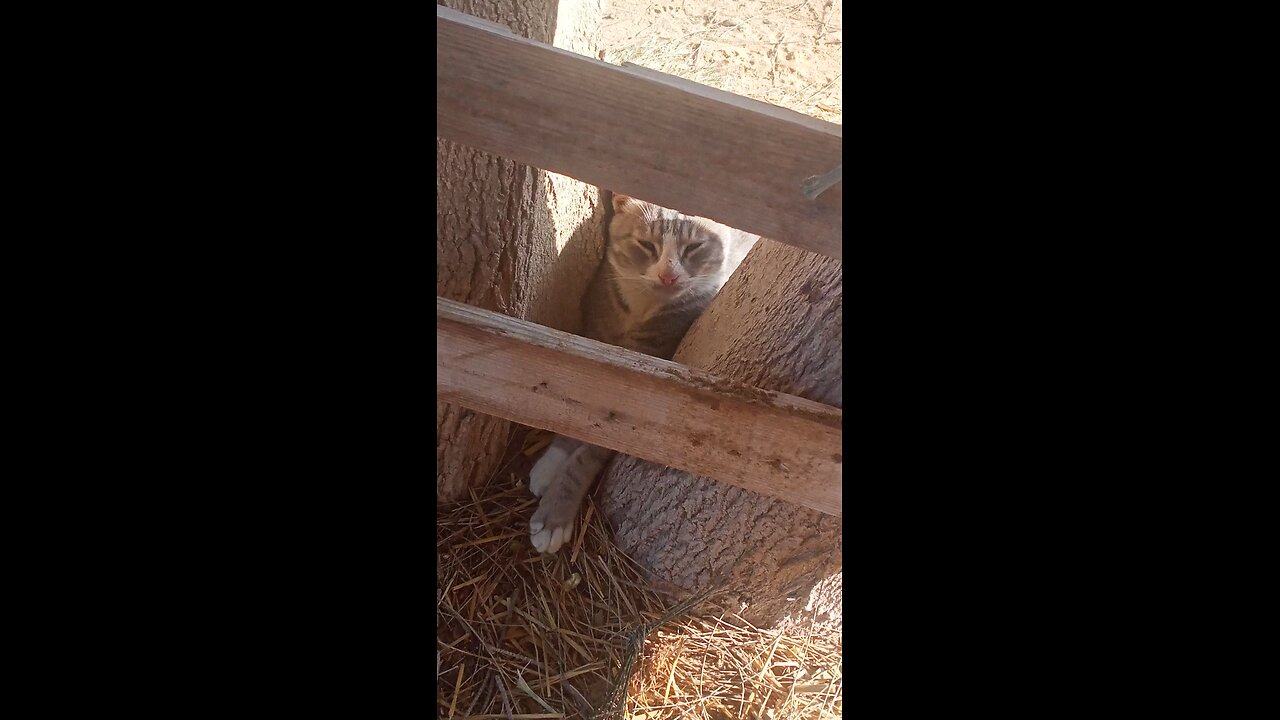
column 771, row 443
column 657, row 137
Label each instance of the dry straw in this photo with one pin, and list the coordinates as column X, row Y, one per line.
column 581, row 634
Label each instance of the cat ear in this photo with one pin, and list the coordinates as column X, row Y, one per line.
column 627, row 205
column 621, row 203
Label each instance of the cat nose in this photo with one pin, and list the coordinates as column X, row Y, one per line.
column 667, row 279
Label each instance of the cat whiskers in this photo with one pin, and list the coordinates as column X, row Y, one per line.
column 690, row 280
column 704, row 281
column 632, row 278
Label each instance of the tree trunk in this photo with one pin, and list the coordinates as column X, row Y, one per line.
column 777, row 324
column 505, row 232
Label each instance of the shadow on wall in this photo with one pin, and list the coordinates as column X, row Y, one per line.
column 558, row 295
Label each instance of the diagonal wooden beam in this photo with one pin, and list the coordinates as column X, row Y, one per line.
column 770, row 443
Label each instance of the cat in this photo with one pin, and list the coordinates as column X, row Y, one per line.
column 660, row 270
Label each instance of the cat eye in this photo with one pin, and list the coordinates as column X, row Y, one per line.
column 648, row 246
column 690, row 248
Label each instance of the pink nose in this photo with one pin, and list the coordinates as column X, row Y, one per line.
column 667, row 279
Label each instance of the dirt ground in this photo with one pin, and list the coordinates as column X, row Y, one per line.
column 778, row 51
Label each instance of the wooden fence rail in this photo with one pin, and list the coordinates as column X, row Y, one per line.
column 635, row 131
column 771, row 443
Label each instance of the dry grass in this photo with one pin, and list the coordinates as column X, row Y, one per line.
column 524, row 634
column 722, row 667
column 582, row 635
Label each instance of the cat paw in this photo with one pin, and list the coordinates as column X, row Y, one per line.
column 551, row 527
column 547, row 468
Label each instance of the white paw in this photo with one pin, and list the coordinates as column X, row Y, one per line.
column 547, row 468
column 549, row 540
column 551, row 526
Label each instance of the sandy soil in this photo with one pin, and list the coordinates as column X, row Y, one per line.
column 778, row 51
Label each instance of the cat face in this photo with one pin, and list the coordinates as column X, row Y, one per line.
column 664, row 249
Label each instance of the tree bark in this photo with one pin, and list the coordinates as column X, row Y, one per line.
column 505, row 234
column 776, row 324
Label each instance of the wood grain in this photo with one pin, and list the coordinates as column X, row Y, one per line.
column 657, row 137
column 770, row 443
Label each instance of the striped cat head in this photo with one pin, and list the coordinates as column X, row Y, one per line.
column 669, row 251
